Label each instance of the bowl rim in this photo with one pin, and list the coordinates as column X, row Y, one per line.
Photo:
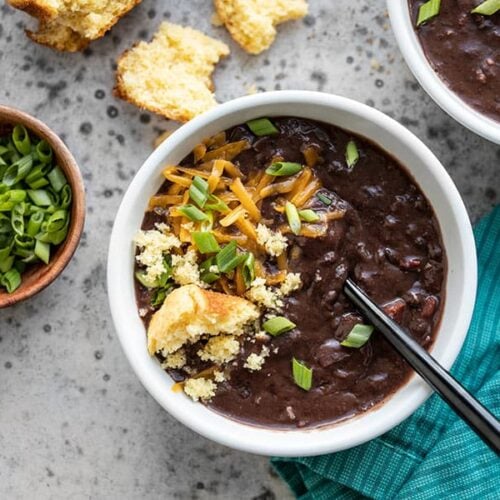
column 9, row 114
column 265, row 440
column 443, row 96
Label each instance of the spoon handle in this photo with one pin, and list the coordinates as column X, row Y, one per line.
column 481, row 421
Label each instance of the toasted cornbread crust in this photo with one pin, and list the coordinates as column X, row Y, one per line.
column 252, row 22
column 63, row 27
column 171, row 75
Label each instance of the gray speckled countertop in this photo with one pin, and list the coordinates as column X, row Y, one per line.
column 75, row 422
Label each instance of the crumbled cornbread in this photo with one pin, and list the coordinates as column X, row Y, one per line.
column 175, row 360
column 254, row 362
column 72, row 24
column 171, row 75
column 274, row 242
column 185, row 270
column 219, row 376
column 200, row 388
column 189, row 312
column 154, row 244
column 291, row 283
column 263, row 295
column 220, row 349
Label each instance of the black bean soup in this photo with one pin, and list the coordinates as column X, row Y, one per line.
column 464, row 50
column 388, row 241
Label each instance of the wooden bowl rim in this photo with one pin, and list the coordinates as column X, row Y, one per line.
column 68, row 164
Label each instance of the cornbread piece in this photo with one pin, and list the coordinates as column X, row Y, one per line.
column 72, row 24
column 220, row 349
column 190, row 312
column 291, row 283
column 255, row 361
column 274, row 242
column 200, row 388
column 185, row 270
column 252, row 22
column 264, row 296
column 171, row 75
column 175, row 360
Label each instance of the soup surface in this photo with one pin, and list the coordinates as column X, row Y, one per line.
column 464, row 50
column 385, row 236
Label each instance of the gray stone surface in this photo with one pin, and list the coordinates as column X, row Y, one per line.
column 74, row 420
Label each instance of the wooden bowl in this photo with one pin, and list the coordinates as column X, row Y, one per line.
column 38, row 276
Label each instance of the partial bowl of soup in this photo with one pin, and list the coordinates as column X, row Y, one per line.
column 228, row 258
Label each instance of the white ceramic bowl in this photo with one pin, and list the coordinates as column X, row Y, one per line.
column 363, row 120
column 450, row 102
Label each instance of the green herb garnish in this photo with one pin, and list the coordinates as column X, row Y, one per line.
column 283, row 168
column 302, row 374
column 428, row 10
column 293, row 218
column 487, row 8
column 198, row 191
column 351, row 154
column 278, row 325
column 193, row 213
column 205, row 241
column 262, row 126
column 309, row 215
column 358, row 336
column 324, row 199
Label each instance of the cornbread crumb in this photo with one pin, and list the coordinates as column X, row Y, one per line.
column 171, row 75
column 72, row 24
column 274, row 242
column 215, row 20
column 190, row 312
column 254, row 362
column 200, row 388
column 263, row 295
column 291, row 283
column 154, row 244
column 175, row 360
column 220, row 349
column 252, row 22
column 185, row 270
column 219, row 376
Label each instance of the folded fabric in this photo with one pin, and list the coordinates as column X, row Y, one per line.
column 432, row 454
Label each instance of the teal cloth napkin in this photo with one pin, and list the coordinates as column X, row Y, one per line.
column 432, row 454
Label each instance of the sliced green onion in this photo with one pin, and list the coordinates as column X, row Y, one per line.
column 262, row 126
column 17, row 218
column 208, row 274
column 282, row 168
column 248, row 269
column 302, row 374
column 205, row 242
column 37, row 173
column 40, row 197
column 56, row 221
column 21, row 139
column 293, row 218
column 42, row 251
column 192, row 213
column 141, row 277
column 44, row 152
column 428, row 10
column 309, row 215
column 358, row 336
column 278, row 325
column 198, row 191
column 18, row 171
column 216, row 204
column 6, row 264
column 209, row 277
column 228, row 259
column 34, row 223
column 487, row 8
column 324, row 199
column 159, row 296
column 65, row 196
column 351, row 154
column 39, row 183
column 11, row 280
column 57, row 179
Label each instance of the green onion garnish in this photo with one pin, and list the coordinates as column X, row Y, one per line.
column 228, row 258
column 198, row 191
column 324, row 199
column 309, row 215
column 487, row 8
column 293, row 218
column 358, row 336
column 302, row 375
column 208, row 273
column 205, row 242
column 248, row 269
column 262, row 126
column 208, row 223
column 278, row 325
column 351, row 154
column 428, row 10
column 282, row 168
column 192, row 213
column 216, row 204
column 35, row 199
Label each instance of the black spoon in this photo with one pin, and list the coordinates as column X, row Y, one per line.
column 466, row 406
